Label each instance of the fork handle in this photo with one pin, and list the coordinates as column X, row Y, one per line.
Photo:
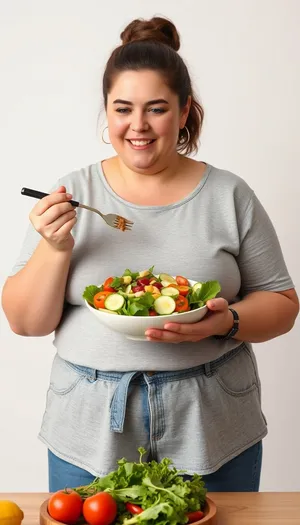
column 40, row 195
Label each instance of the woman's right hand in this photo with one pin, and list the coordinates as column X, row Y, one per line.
column 53, row 217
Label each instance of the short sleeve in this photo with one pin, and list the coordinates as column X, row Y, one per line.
column 260, row 259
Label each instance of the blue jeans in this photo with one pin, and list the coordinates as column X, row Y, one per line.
column 241, row 474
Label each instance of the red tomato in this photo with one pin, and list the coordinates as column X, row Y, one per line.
column 100, row 509
column 183, row 290
column 66, row 506
column 182, row 304
column 107, row 284
column 134, row 509
column 99, row 299
column 182, row 281
column 195, row 516
column 152, row 313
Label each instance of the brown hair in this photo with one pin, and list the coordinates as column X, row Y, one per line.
column 153, row 44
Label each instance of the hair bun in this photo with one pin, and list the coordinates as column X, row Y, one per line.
column 158, row 29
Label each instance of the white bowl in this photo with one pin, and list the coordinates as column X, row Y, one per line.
column 134, row 327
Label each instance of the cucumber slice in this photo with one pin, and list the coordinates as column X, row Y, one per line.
column 128, row 289
column 197, row 286
column 171, row 292
column 114, row 302
column 107, row 311
column 164, row 305
column 168, row 278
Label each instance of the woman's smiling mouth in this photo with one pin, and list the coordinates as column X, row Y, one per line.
column 139, row 144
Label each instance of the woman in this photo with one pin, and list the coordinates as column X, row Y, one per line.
column 197, row 402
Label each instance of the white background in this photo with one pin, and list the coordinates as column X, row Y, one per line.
column 244, row 60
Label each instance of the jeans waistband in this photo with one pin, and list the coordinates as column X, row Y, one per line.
column 119, row 399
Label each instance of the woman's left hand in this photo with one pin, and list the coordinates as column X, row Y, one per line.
column 218, row 321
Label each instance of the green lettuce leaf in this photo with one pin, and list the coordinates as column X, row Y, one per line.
column 90, row 292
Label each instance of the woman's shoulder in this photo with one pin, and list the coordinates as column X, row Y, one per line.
column 226, row 182
column 81, row 176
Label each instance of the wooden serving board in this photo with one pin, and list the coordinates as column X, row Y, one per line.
column 210, row 512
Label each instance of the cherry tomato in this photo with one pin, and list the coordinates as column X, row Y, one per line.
column 100, row 509
column 134, row 509
column 157, row 284
column 66, row 506
column 152, row 313
column 182, row 281
column 144, row 281
column 195, row 516
column 182, row 304
column 107, row 284
column 183, row 290
column 99, row 299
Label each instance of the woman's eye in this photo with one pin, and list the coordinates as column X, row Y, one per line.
column 123, row 110
column 157, row 110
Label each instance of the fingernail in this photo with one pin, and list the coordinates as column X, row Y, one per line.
column 212, row 304
column 68, row 195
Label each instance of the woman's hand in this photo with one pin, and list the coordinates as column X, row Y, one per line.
column 53, row 217
column 218, row 321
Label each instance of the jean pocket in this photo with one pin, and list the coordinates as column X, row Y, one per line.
column 238, row 376
column 64, row 376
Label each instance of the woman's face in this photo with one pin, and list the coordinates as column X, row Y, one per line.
column 144, row 120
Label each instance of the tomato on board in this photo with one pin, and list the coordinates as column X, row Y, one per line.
column 182, row 281
column 182, row 304
column 99, row 299
column 107, row 284
column 195, row 516
column 100, row 509
column 134, row 509
column 66, row 506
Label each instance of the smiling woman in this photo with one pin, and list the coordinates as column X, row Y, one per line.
column 190, row 392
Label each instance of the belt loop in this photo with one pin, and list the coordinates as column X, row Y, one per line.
column 92, row 375
column 118, row 402
column 207, row 369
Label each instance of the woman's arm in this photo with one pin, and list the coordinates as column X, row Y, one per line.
column 264, row 315
column 33, row 299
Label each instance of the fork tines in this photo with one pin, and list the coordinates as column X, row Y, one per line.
column 123, row 224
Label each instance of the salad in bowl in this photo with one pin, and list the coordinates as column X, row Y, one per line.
column 143, row 299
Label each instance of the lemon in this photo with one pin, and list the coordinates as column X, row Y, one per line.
column 10, row 513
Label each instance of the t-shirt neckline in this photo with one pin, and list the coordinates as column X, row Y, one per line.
column 181, row 202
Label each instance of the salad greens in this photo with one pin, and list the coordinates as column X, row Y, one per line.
column 139, row 294
column 157, row 487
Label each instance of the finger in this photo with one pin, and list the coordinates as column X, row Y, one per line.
column 56, row 225
column 66, row 228
column 202, row 328
column 164, row 336
column 54, row 198
column 217, row 305
column 55, row 211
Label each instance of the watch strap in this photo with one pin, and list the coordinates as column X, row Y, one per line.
column 235, row 326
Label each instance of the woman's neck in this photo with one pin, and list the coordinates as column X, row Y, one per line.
column 165, row 186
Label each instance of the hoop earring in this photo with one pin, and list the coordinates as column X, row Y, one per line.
column 103, row 138
column 182, row 139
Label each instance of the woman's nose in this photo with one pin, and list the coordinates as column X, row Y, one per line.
column 139, row 123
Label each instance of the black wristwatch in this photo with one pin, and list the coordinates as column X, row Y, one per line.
column 235, row 326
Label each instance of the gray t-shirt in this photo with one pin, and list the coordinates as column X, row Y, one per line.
column 219, row 231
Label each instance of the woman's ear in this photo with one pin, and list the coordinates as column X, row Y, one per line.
column 185, row 112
